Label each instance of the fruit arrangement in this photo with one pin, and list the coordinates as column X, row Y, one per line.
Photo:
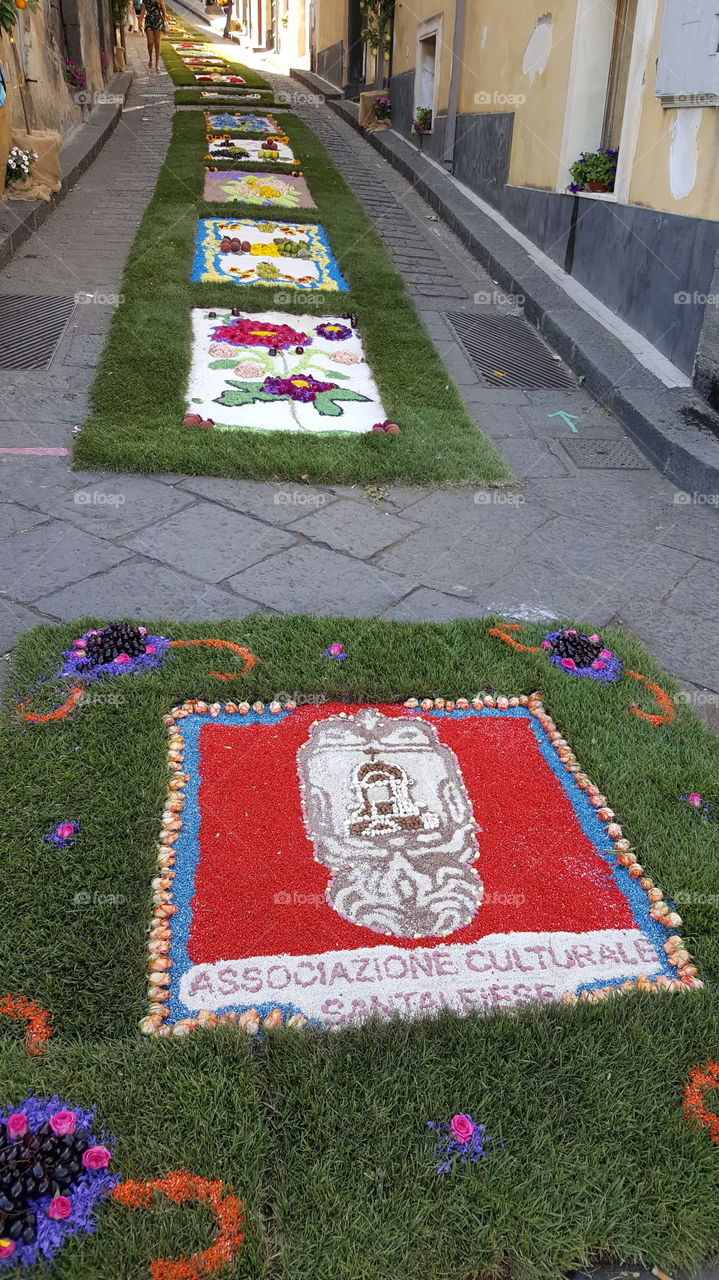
column 115, row 640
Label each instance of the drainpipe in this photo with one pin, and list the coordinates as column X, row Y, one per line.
column 451, row 124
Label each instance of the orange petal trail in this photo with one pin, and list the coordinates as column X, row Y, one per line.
column 662, row 700
column 248, row 658
column 39, row 1023
column 501, row 634
column 180, row 1186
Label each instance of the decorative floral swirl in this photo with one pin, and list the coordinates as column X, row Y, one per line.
column 662, row 700
column 180, row 1187
column 701, row 1079
column 39, row 1023
column 60, row 713
column 248, row 658
column 501, row 634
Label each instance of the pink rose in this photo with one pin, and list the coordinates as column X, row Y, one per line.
column 150, row 648
column 598, row 664
column 694, row 798
column 63, row 1122
column 142, row 630
column 595, row 639
column 96, row 1158
column 249, row 369
column 569, row 663
column 7, row 1248
column 462, row 1128
column 605, row 653
column 546, row 644
column 65, row 830
column 16, row 1125
column 336, row 648
column 59, row 1207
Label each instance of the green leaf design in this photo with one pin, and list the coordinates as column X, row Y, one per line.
column 244, row 393
column 224, row 364
column 325, row 405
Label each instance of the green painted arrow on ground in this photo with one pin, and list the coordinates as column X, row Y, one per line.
column 568, row 418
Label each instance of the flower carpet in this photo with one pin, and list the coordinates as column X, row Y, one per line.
column 394, row 860
column 280, row 191
column 246, row 123
column 247, row 252
column 249, row 149
column 417, row 895
column 280, row 372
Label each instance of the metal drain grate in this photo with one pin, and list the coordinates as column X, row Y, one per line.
column 507, row 352
column 611, row 455
column 31, row 328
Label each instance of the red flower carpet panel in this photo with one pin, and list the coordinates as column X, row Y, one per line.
column 338, row 861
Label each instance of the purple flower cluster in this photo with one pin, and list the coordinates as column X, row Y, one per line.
column 57, row 1217
column 459, row 1141
column 76, row 664
column 606, row 666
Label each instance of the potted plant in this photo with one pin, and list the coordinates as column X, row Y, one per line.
column 594, row 171
column 19, row 164
column 382, row 109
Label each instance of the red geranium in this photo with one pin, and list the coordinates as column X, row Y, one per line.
column 248, row 332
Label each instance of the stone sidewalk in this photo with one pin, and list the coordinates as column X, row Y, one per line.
column 593, row 545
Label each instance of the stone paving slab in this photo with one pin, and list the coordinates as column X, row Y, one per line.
column 591, row 545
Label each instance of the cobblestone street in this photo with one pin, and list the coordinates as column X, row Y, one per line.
column 621, row 546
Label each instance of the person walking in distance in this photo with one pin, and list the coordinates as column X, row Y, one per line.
column 154, row 15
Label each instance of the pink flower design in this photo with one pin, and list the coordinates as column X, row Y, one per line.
column 462, row 1128
column 59, row 1207
column 344, row 357
column 694, row 798
column 223, row 350
column 123, row 657
column 595, row 639
column 569, row 663
column 249, row 369
column 63, row 1121
column 546, row 644
column 16, row 1125
column 150, row 648
column 605, row 653
column 7, row 1248
column 336, row 648
column 96, row 1158
column 65, row 830
column 598, row 665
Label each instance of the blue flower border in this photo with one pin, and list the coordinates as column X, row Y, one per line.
column 205, row 264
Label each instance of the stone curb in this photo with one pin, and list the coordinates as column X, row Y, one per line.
column 674, row 428
column 19, row 220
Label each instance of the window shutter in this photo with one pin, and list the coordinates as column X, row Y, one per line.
column 688, row 66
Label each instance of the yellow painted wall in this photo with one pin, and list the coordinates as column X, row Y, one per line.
column 407, row 17
column 517, row 55
column 653, row 174
column 331, row 23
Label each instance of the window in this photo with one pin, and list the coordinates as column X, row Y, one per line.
column 688, row 66
column 618, row 77
column 429, row 40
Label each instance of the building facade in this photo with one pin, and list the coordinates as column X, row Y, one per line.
column 518, row 91
column 50, row 42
